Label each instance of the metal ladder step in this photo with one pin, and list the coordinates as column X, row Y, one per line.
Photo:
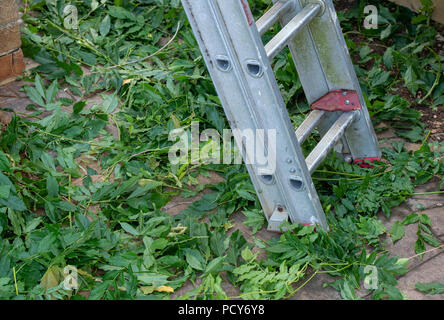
column 306, row 127
column 332, row 136
column 292, row 29
column 273, row 15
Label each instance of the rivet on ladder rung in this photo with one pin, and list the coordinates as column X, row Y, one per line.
column 332, row 136
column 291, row 29
column 272, row 16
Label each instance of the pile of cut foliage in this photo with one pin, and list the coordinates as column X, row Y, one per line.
column 72, row 193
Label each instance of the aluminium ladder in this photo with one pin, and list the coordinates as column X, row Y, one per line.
column 240, row 67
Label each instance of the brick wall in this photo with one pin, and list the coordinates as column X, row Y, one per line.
column 11, row 56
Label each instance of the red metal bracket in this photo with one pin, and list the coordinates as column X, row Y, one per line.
column 338, row 100
column 363, row 164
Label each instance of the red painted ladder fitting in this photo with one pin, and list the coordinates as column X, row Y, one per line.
column 338, row 100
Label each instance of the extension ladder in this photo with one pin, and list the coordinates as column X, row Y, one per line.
column 240, row 67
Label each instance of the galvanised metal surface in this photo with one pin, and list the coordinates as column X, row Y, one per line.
column 306, row 127
column 323, row 64
column 292, row 28
column 239, row 66
column 327, row 142
column 272, row 16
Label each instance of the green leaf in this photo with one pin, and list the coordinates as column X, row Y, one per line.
column 99, row 290
column 121, row 13
column 4, row 192
column 110, row 104
column 195, row 259
column 386, row 32
column 105, row 26
column 410, row 219
column 52, row 187
column 403, row 262
column 430, row 240
column 218, row 244
column 247, row 255
column 397, row 231
column 419, row 246
column 348, row 292
column 430, row 288
column 32, row 225
column 39, row 86
column 34, row 95
column 155, row 279
column 51, row 93
column 129, row 228
column 388, row 58
column 51, row 278
column 78, row 107
column 215, row 265
column 425, row 219
column 254, row 219
column 5, row 166
column 414, row 134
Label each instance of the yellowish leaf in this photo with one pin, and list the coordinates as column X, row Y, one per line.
column 175, row 121
column 51, row 278
column 147, row 289
column 151, row 289
column 165, row 289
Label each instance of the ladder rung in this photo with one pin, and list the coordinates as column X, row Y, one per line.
column 308, row 125
column 332, row 136
column 291, row 29
column 272, row 16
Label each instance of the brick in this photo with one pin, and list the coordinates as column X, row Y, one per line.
column 11, row 65
column 8, row 11
column 9, row 38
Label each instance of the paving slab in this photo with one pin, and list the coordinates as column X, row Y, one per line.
column 314, row 289
column 404, row 248
column 430, row 271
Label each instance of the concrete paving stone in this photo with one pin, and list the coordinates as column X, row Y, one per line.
column 409, row 146
column 314, row 289
column 425, row 202
column 436, row 215
column 431, row 271
column 177, row 204
column 404, row 248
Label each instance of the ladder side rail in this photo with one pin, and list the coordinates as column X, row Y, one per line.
column 259, row 97
column 323, row 63
column 292, row 175
column 219, row 62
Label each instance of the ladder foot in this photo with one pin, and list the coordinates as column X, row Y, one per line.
column 278, row 217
